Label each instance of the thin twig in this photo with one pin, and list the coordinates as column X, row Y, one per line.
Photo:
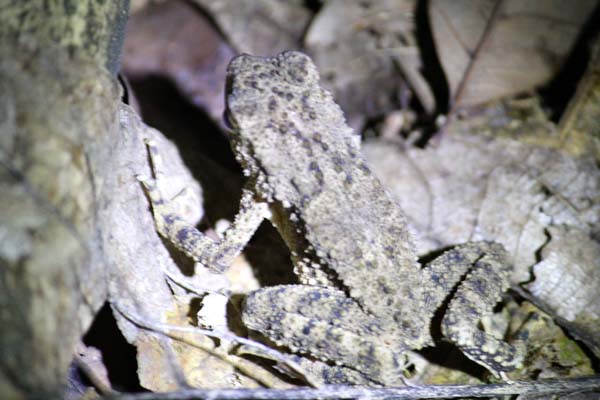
column 165, row 329
column 584, row 384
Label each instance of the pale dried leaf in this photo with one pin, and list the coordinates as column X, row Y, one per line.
column 259, row 27
column 196, row 359
column 356, row 44
column 145, row 282
column 478, row 188
column 138, row 283
column 567, row 281
column 491, row 49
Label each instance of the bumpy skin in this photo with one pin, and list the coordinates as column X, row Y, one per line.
column 364, row 299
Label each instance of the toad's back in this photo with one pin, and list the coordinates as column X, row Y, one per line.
column 293, row 138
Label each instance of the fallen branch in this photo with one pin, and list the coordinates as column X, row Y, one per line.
column 547, row 387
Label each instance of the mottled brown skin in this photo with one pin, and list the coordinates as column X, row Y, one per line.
column 364, row 299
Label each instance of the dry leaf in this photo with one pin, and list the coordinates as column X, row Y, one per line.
column 491, row 49
column 567, row 281
column 174, row 41
column 478, row 188
column 259, row 27
column 356, row 46
column 138, row 259
column 551, row 353
column 148, row 287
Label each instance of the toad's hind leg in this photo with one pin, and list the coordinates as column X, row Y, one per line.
column 216, row 255
column 327, row 324
column 477, row 294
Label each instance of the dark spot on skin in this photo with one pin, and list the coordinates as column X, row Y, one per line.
column 272, row 104
column 338, row 164
column 256, row 67
column 304, row 100
column 319, row 176
column 479, row 286
column 337, row 313
column 348, row 180
column 307, row 328
column 364, row 168
column 314, row 296
column 383, row 286
column 373, row 328
column 479, row 339
column 294, row 130
column 306, row 145
column 313, row 166
column 319, row 139
column 281, row 290
column 297, row 72
column 183, row 234
column 368, row 360
column 312, row 115
column 289, row 96
column 334, row 375
column 395, row 231
column 389, row 252
column 262, row 75
column 251, row 83
column 169, row 219
column 283, row 129
column 402, row 323
column 428, row 298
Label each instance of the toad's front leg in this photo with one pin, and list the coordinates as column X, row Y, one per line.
column 216, row 255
